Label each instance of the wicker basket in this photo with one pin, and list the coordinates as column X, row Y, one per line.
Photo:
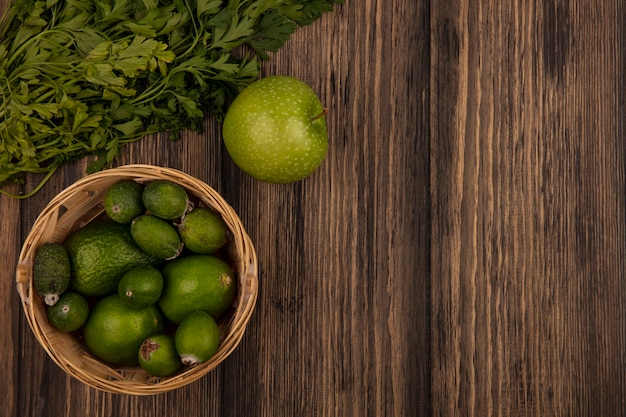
column 79, row 204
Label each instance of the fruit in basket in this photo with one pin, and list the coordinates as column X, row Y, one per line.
column 122, row 201
column 165, row 199
column 275, row 130
column 51, row 271
column 203, row 230
column 141, row 286
column 100, row 253
column 114, row 331
column 157, row 356
column 197, row 338
column 156, row 236
column 196, row 282
column 69, row 313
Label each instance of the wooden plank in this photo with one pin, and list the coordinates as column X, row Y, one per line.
column 361, row 296
column 10, row 309
column 528, row 249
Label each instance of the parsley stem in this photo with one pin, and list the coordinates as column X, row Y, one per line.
column 50, row 171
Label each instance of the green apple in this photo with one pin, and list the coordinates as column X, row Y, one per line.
column 275, row 130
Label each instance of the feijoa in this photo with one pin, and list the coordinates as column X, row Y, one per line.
column 69, row 313
column 157, row 356
column 141, row 286
column 156, row 236
column 203, row 230
column 165, row 199
column 123, row 201
column 51, row 271
column 197, row 338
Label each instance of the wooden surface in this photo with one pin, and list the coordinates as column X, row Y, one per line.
column 461, row 252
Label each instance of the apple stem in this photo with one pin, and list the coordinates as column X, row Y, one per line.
column 322, row 114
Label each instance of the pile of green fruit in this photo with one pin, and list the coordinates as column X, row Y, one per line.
column 146, row 284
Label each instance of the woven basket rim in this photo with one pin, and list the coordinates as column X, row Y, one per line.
column 80, row 203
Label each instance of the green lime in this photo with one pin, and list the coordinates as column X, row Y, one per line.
column 158, row 357
column 203, row 230
column 122, row 201
column 141, row 286
column 165, row 199
column 197, row 338
column 69, row 313
column 156, row 236
column 197, row 282
column 100, row 253
column 51, row 271
column 114, row 330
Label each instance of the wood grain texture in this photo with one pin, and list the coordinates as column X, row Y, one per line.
column 527, row 158
column 461, row 251
column 10, row 309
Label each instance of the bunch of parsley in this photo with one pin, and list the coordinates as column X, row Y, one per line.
column 84, row 77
